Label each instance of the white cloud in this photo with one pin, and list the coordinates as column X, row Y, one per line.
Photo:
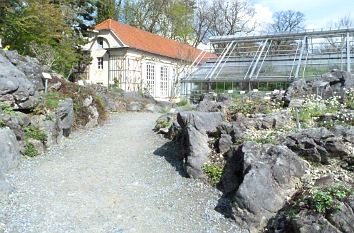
column 263, row 13
column 263, row 16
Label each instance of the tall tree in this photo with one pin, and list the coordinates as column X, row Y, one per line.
column 287, row 21
column 169, row 18
column 204, row 16
column 232, row 17
column 106, row 9
column 219, row 18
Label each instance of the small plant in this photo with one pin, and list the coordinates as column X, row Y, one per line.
column 30, row 150
column 214, row 172
column 7, row 109
column 35, row 133
column 326, row 201
column 2, row 123
column 248, row 107
column 52, row 99
column 101, row 108
column 323, row 201
column 265, row 136
column 314, row 106
column 349, row 98
column 183, row 102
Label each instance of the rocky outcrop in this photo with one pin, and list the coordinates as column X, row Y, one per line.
column 317, row 145
column 237, row 128
column 20, row 80
column 260, row 178
column 329, row 83
column 30, row 66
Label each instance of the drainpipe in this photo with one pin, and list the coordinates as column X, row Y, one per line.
column 109, row 67
column 348, row 53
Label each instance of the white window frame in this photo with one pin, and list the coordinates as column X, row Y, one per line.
column 100, row 63
column 151, row 77
column 164, row 77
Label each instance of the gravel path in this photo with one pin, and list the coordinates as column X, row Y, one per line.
column 118, row 178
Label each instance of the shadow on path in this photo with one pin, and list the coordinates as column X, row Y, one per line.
column 171, row 151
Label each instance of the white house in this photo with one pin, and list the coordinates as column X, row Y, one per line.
column 137, row 60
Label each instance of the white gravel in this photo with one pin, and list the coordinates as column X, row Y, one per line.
column 110, row 179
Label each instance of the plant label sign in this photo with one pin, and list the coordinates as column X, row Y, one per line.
column 296, row 103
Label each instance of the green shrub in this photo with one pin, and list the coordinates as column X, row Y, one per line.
column 35, row 133
column 30, row 150
column 213, row 171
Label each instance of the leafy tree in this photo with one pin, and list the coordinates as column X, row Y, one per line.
column 42, row 28
column 169, row 18
column 106, row 9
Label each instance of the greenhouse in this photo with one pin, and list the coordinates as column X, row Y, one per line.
column 271, row 61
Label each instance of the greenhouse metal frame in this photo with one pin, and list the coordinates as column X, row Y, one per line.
column 271, row 61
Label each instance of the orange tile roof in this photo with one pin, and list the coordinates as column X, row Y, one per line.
column 148, row 42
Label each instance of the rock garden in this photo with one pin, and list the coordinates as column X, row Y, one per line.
column 32, row 119
column 280, row 168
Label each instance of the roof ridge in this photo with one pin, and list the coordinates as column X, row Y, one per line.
column 153, row 34
column 146, row 41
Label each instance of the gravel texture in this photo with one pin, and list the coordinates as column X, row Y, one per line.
column 117, row 178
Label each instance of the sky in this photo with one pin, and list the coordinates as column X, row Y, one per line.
column 318, row 13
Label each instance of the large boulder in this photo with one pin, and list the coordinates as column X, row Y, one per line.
column 207, row 105
column 317, row 145
column 335, row 81
column 297, row 89
column 260, row 179
column 10, row 150
column 30, row 66
column 16, row 89
column 205, row 122
column 135, row 106
column 65, row 114
column 49, row 126
column 195, row 150
column 16, row 122
column 338, row 80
